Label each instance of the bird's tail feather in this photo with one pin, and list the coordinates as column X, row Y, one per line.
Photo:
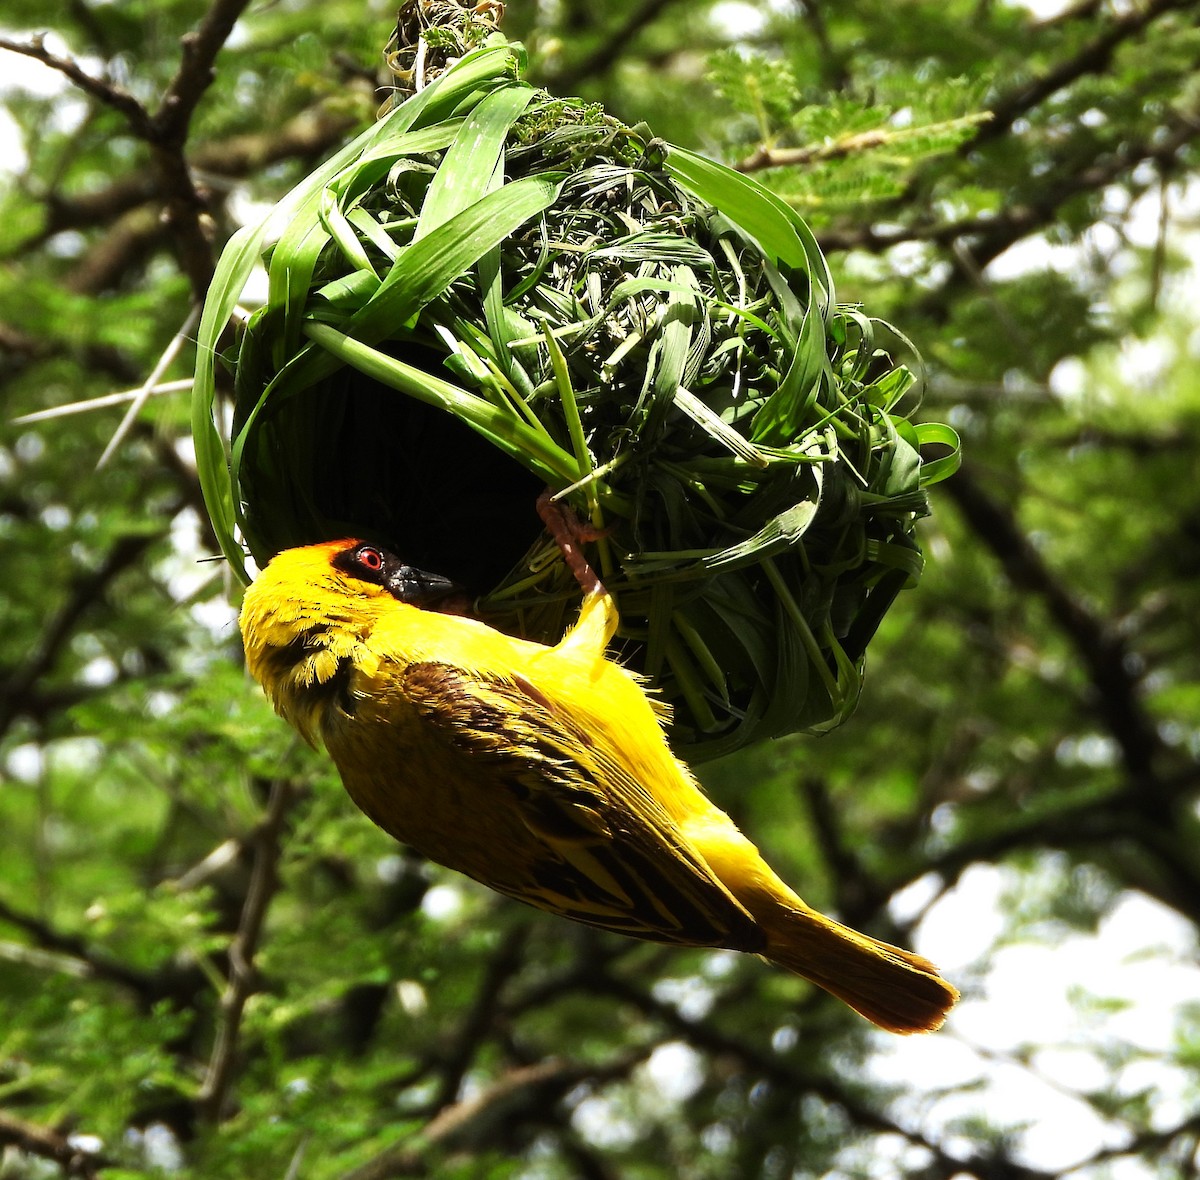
column 893, row 988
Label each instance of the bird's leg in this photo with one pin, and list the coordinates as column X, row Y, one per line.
column 568, row 531
column 598, row 615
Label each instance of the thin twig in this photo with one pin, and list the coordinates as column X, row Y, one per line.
column 850, row 145
column 104, row 402
column 143, row 395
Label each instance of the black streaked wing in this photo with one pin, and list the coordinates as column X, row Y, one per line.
column 614, row 858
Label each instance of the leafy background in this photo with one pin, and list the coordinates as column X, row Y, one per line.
column 212, row 966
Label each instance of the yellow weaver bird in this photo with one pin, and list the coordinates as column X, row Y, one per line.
column 542, row 772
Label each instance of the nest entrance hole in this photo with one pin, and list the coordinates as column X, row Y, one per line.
column 382, row 465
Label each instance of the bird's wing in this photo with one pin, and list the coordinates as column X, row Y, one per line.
column 613, row 856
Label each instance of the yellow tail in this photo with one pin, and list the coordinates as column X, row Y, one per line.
column 893, row 988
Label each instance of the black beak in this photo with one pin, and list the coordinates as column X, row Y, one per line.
column 419, row 587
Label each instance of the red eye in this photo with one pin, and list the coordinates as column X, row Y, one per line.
column 370, row 559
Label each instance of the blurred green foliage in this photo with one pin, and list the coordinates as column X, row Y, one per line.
column 1028, row 736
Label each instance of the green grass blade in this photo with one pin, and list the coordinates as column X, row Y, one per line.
column 777, row 228
column 777, row 422
column 370, row 228
column 237, row 261
column 426, row 268
column 336, row 225
column 536, row 451
column 935, row 470
column 458, row 90
column 566, row 393
column 466, row 172
column 725, row 434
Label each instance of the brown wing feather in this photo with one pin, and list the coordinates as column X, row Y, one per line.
column 613, row 856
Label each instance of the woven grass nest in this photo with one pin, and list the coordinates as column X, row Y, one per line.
column 492, row 291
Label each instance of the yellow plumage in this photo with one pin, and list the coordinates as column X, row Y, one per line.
column 542, row 772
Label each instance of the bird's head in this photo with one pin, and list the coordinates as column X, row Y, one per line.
column 307, row 615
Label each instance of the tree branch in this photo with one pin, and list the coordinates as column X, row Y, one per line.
column 798, row 157
column 106, row 93
column 525, row 1094
column 604, row 56
column 243, row 976
column 86, row 590
column 127, row 243
column 128, row 206
column 832, row 62
column 184, row 210
column 847, row 145
column 195, row 74
column 306, row 135
column 74, row 947
column 507, row 960
column 166, row 131
column 853, row 892
column 48, row 1144
column 1103, row 652
column 782, row 1073
column 1093, row 58
column 1145, row 1141
column 995, row 234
